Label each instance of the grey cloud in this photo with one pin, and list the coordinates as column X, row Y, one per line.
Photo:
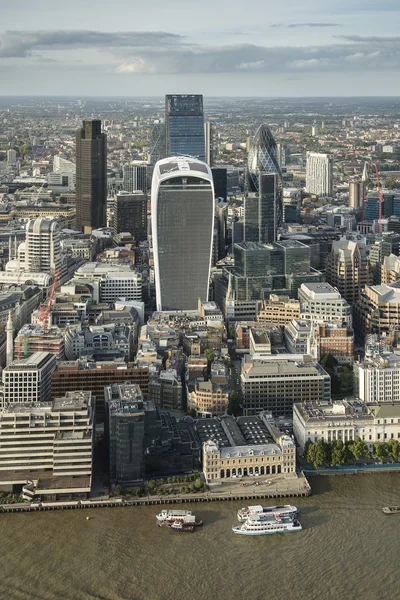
column 367, row 39
column 22, row 43
column 293, row 25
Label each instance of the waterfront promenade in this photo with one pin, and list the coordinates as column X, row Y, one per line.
column 282, row 487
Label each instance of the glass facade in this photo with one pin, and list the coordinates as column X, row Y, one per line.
column 184, row 123
column 184, row 226
column 263, row 157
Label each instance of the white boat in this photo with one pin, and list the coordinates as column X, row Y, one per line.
column 170, row 516
column 286, row 510
column 264, row 525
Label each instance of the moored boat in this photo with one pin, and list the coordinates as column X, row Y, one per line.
column 284, row 510
column 179, row 526
column 391, row 510
column 168, row 517
column 264, row 525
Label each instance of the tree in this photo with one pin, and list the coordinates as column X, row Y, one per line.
column 152, row 484
column 118, row 490
column 317, row 453
column 198, row 483
column 346, row 379
column 380, row 451
column 209, row 355
column 394, row 450
column 328, row 361
column 338, row 453
column 234, row 407
column 358, row 448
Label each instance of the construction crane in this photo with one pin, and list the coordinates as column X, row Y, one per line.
column 380, row 195
column 364, row 189
column 44, row 319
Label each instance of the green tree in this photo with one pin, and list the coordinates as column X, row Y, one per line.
column 380, row 451
column 317, row 453
column 209, row 355
column 346, row 379
column 234, row 407
column 198, row 483
column 328, row 361
column 338, row 453
column 358, row 448
column 394, row 450
column 118, row 490
column 152, row 484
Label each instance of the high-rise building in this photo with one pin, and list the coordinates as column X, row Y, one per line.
column 184, row 126
column 91, row 176
column 134, row 177
column 130, row 214
column 220, row 179
column 42, row 246
column 262, row 158
column 156, row 143
column 29, row 380
column 347, row 268
column 182, row 200
column 355, row 194
column 319, row 174
column 263, row 211
column 209, row 142
column 11, row 156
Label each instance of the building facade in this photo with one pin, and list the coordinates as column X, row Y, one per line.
column 319, row 174
column 130, row 214
column 182, row 228
column 347, row 269
column 29, row 380
column 91, row 176
column 42, row 246
column 184, row 126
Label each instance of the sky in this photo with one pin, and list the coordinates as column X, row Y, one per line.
column 213, row 47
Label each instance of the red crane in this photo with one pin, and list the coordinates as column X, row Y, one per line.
column 380, row 194
column 46, row 311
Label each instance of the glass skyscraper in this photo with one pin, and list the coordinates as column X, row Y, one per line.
column 182, row 215
column 262, row 158
column 184, row 126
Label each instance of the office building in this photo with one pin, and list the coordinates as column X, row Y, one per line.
column 93, row 376
column 182, row 227
column 38, row 338
column 279, row 309
column 377, row 310
column 29, row 380
column 47, row 447
column 130, row 214
column 379, row 379
column 274, row 383
column 345, row 420
column 319, row 174
column 91, row 176
column 108, row 282
column 143, row 441
column 61, row 164
column 248, row 446
column 263, row 210
column 11, row 156
column 166, row 390
column 262, row 158
column 184, row 126
column 209, row 142
column 356, row 191
column 42, row 246
column 156, row 143
column 390, row 269
column 322, row 302
column 220, row 179
column 347, row 269
column 134, row 176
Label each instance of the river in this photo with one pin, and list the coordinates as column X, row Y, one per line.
column 348, row 549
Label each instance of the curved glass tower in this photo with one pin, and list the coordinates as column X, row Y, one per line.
column 182, row 219
column 263, row 202
column 263, row 157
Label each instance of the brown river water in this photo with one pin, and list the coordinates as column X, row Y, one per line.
column 348, row 550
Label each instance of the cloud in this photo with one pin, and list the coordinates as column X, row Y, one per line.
column 369, row 39
column 137, row 66
column 293, row 25
column 23, row 43
column 251, row 66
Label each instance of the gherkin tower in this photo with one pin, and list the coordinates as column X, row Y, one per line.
column 263, row 157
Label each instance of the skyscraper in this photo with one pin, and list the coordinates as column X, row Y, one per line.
column 156, row 143
column 319, row 177
column 263, row 206
column 134, row 177
column 263, row 157
column 130, row 214
column 184, row 126
column 209, row 142
column 182, row 216
column 42, row 246
column 91, row 176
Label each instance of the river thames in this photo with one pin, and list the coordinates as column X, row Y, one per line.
column 348, row 549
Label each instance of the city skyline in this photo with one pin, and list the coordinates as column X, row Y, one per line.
column 325, row 49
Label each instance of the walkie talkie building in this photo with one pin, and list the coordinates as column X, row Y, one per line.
column 182, row 217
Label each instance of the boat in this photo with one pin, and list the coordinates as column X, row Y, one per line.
column 264, row 525
column 391, row 510
column 179, row 526
column 285, row 509
column 167, row 517
column 173, row 515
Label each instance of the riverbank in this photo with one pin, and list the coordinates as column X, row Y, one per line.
column 353, row 469
column 281, row 488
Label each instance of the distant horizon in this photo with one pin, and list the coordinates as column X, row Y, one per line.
column 80, row 96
